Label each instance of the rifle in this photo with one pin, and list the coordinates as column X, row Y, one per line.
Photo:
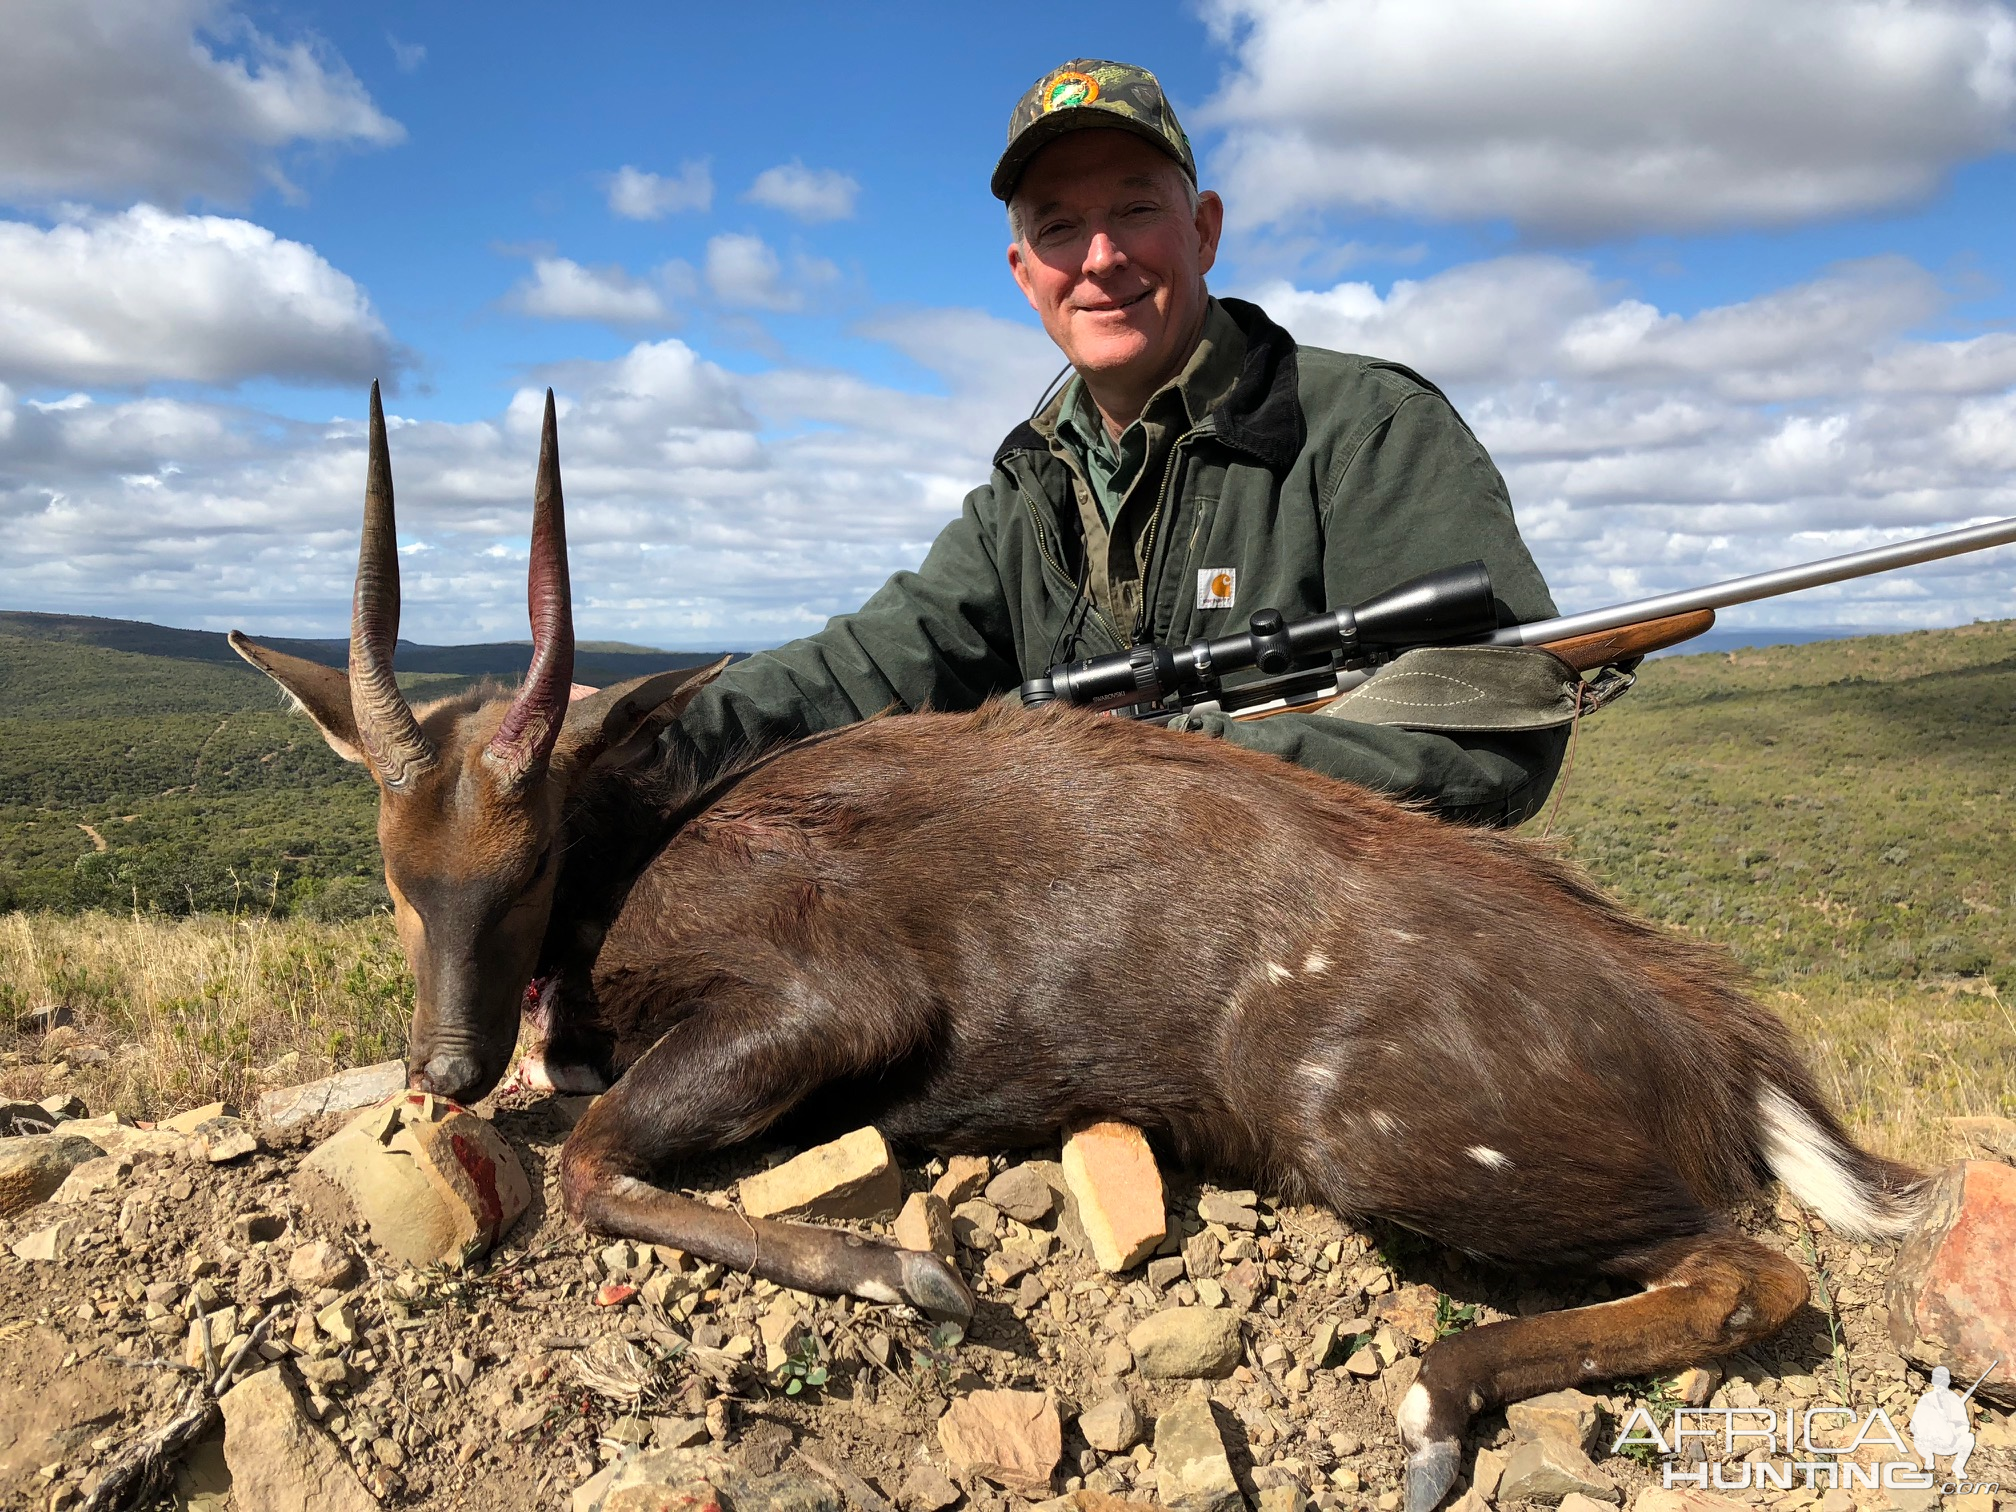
column 1310, row 661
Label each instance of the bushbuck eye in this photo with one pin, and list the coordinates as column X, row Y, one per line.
column 539, row 868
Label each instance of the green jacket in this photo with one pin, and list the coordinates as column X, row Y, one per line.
column 1321, row 479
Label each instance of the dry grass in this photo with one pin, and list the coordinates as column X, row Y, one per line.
column 195, row 1010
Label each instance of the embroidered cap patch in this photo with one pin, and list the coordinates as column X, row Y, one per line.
column 1217, row 587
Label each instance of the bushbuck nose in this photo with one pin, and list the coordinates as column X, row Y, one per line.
column 450, row 1074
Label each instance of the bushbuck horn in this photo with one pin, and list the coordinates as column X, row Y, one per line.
column 525, row 739
column 392, row 737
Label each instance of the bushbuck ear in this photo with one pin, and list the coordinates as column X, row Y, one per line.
column 323, row 692
column 618, row 725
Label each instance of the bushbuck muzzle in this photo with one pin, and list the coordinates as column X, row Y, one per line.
column 471, row 789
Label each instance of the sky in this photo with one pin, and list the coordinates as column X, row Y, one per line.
column 1721, row 286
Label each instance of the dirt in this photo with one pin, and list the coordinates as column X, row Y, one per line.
column 551, row 1385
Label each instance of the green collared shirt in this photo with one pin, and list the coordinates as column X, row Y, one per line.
column 1112, row 475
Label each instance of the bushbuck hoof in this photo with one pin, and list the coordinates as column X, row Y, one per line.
column 1431, row 1471
column 934, row 1288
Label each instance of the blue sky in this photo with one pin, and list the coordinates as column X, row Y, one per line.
column 1721, row 286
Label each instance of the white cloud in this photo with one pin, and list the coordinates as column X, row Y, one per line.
column 1627, row 116
column 561, row 289
column 107, row 99
column 406, row 56
column 744, row 272
column 145, row 295
column 637, row 195
column 704, row 507
column 811, row 194
column 1648, row 450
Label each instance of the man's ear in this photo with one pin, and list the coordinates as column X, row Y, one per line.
column 1018, row 264
column 323, row 693
column 1210, row 225
column 618, row 725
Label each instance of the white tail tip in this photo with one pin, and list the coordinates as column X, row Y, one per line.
column 1821, row 1172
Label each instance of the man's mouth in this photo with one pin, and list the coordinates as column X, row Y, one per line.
column 1116, row 306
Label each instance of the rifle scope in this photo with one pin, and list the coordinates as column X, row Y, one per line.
column 1444, row 607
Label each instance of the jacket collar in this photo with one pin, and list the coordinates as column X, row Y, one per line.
column 1261, row 416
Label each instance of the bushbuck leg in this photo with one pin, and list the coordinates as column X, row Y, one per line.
column 717, row 1078
column 1705, row 1296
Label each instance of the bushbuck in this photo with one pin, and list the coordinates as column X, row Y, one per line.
column 976, row 930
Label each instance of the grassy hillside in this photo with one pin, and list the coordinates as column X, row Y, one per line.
column 596, row 662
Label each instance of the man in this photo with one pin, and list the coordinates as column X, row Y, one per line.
column 1198, row 466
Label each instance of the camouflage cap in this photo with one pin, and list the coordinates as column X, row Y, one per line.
column 1089, row 92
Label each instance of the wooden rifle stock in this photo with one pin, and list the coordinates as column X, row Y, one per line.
column 1628, row 642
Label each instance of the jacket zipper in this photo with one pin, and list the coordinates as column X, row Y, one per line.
column 1141, row 619
column 1043, row 550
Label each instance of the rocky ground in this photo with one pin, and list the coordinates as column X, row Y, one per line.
column 517, row 1382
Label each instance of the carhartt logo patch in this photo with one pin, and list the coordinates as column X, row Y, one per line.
column 1217, row 587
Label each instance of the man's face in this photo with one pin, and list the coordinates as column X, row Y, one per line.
column 1110, row 255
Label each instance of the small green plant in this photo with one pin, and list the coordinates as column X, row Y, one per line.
column 1451, row 1318
column 1659, row 1396
column 804, row 1367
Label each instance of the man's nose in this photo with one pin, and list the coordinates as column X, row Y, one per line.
column 1103, row 255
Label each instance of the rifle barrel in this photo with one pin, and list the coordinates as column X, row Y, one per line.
column 1763, row 585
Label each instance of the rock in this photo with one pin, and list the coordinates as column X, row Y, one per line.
column 1165, row 1272
column 223, row 1138
column 1118, row 1189
column 1575, row 1501
column 189, row 1122
column 1487, row 1471
column 1363, row 1362
column 220, row 1326
column 614, row 1293
column 1022, row 1193
column 975, row 1224
column 1113, row 1427
column 1697, row 1383
column 279, row 1460
column 1566, row 1414
column 33, row 1166
column 318, row 1265
column 965, row 1178
column 664, row 1479
column 338, row 1322
column 1233, row 1209
column 1322, row 1344
column 1290, row 1498
column 1013, row 1438
column 1547, row 1469
column 359, row 1087
column 1685, row 1499
column 49, row 1243
column 678, row 1433
column 1952, row 1293
column 783, row 1329
column 434, row 1182
column 1184, row 1342
column 927, row 1488
column 853, row 1177
column 1410, row 1310
column 115, row 1134
column 1193, row 1473
column 23, row 1118
column 926, row 1224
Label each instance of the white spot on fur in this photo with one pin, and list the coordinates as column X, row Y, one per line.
column 1315, row 965
column 1588, row 1367
column 1402, row 937
column 1383, row 1122
column 1489, row 1158
column 1412, row 1418
column 1276, row 972
column 1316, row 1071
column 875, row 1291
column 1815, row 1168
column 630, row 1186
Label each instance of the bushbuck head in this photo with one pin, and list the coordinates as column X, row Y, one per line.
column 471, row 790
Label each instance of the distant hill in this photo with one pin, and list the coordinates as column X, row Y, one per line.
column 597, row 662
